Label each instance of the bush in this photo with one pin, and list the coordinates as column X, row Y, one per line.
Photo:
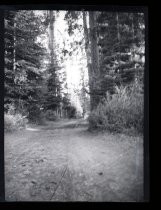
column 40, row 120
column 72, row 112
column 14, row 122
column 51, row 115
column 123, row 111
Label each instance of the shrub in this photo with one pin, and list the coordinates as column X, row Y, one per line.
column 72, row 112
column 14, row 122
column 35, row 114
column 123, row 111
column 40, row 120
column 51, row 115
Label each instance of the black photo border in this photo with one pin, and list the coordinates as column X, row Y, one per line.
column 126, row 7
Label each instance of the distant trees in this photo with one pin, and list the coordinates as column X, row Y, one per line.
column 52, row 98
column 55, row 99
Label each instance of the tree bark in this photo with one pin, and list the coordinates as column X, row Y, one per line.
column 51, row 37
column 51, row 47
column 14, row 45
column 88, row 55
column 94, row 44
column 94, row 66
column 118, row 36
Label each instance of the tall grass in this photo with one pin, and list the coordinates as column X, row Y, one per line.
column 13, row 120
column 121, row 112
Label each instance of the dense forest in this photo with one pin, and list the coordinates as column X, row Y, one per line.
column 36, row 87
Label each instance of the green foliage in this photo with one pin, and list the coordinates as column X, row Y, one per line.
column 123, row 111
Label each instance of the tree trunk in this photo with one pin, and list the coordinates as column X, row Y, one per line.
column 132, row 26
column 92, row 57
column 88, row 54
column 118, row 36
column 51, row 37
column 51, row 47
column 14, row 46
column 133, row 37
column 94, row 44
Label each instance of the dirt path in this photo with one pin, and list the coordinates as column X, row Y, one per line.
column 64, row 162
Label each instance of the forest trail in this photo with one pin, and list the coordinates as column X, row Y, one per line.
column 63, row 161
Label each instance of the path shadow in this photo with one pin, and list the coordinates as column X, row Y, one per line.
column 66, row 124
column 61, row 124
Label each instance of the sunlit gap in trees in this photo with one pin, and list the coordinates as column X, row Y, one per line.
column 74, row 63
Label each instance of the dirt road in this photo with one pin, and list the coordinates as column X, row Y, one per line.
column 64, row 162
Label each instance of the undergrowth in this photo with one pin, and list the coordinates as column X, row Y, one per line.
column 121, row 112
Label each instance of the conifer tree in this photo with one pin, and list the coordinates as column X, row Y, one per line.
column 23, row 56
